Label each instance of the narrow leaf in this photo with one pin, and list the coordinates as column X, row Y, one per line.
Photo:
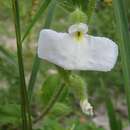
column 35, row 18
column 124, row 44
column 24, row 96
column 90, row 9
column 36, row 63
column 115, row 123
column 7, row 55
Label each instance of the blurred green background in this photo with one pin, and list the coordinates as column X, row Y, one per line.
column 66, row 113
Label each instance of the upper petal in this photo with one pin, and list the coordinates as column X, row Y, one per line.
column 94, row 53
column 81, row 27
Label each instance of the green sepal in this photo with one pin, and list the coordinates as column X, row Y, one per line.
column 78, row 16
column 78, row 86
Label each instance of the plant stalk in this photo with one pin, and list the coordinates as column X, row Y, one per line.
column 23, row 91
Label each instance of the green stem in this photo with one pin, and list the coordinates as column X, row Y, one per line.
column 23, row 91
column 36, row 63
column 35, row 18
column 51, row 103
column 32, row 80
column 57, row 93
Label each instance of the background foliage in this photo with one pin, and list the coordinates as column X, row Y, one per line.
column 65, row 113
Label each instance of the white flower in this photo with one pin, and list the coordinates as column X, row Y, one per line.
column 77, row 50
column 86, row 107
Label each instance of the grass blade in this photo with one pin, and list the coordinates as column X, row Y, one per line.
column 36, row 63
column 9, row 56
column 33, row 76
column 20, row 62
column 115, row 123
column 90, row 9
column 124, row 44
column 26, row 119
column 35, row 18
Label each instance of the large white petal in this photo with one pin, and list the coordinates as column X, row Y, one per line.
column 93, row 53
column 103, row 53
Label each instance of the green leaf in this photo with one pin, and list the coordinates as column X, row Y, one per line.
column 50, row 124
column 32, row 79
column 124, row 44
column 60, row 109
column 78, row 86
column 10, row 113
column 7, row 60
column 49, row 87
column 85, row 126
column 51, row 102
column 7, row 55
column 43, row 7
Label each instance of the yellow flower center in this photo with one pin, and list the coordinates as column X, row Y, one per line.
column 78, row 36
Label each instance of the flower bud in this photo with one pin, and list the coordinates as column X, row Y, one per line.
column 78, row 16
column 86, row 107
